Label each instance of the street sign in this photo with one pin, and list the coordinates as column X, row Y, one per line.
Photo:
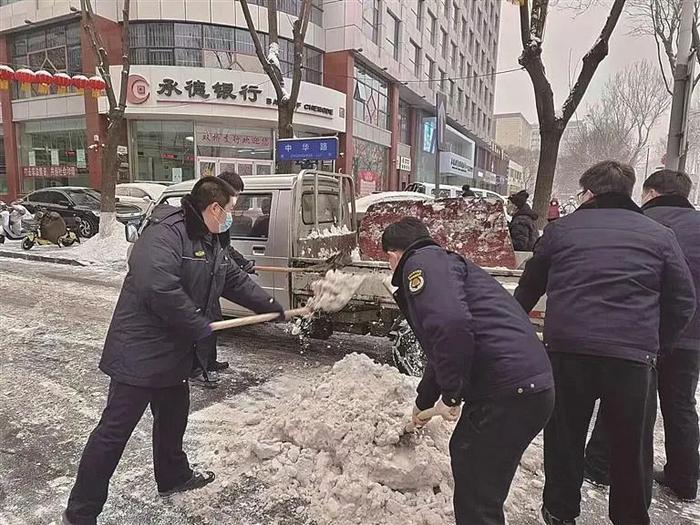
column 441, row 112
column 313, row 148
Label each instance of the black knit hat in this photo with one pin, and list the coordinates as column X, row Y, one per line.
column 519, row 199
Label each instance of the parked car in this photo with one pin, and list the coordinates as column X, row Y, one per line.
column 77, row 202
column 141, row 194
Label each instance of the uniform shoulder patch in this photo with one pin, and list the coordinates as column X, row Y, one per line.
column 416, row 281
column 199, row 253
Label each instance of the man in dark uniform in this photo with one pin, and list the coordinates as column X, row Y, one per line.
column 206, row 365
column 615, row 280
column 178, row 270
column 665, row 199
column 481, row 349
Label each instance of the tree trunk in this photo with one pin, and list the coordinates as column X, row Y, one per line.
column 285, row 116
column 110, row 168
column 549, row 150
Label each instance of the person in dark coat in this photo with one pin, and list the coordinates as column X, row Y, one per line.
column 467, row 191
column 481, row 349
column 665, row 200
column 178, row 270
column 618, row 289
column 523, row 225
column 206, row 365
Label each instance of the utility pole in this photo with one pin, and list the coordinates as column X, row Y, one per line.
column 682, row 89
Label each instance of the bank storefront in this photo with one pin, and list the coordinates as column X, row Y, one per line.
column 189, row 122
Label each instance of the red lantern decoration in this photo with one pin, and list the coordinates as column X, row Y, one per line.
column 25, row 77
column 62, row 81
column 6, row 74
column 79, row 82
column 97, row 85
column 43, row 78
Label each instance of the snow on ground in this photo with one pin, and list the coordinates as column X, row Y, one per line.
column 104, row 251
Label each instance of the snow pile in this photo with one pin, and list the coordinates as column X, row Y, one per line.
column 104, row 251
column 333, row 443
column 334, row 291
column 333, row 231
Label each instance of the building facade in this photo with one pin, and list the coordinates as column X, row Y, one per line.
column 513, row 129
column 198, row 102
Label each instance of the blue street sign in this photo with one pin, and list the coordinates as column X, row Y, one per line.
column 315, row 148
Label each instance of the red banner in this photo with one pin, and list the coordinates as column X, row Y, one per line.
column 50, row 171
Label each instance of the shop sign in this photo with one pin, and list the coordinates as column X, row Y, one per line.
column 49, row 171
column 453, row 164
column 196, row 90
column 316, row 148
column 222, row 138
column 368, row 182
column 405, row 163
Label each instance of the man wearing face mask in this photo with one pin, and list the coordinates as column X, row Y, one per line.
column 178, row 270
column 481, row 349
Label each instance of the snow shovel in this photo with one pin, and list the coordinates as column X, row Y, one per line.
column 335, row 261
column 423, row 415
column 257, row 319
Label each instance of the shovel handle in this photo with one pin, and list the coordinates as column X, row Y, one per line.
column 424, row 414
column 283, row 269
column 256, row 319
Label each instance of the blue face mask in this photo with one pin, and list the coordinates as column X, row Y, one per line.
column 227, row 223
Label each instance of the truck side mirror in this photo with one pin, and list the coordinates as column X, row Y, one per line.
column 132, row 233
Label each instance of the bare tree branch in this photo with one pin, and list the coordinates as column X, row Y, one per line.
column 126, row 63
column 300, row 27
column 592, row 60
column 274, row 79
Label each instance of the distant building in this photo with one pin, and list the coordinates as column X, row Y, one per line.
column 516, row 177
column 572, row 128
column 513, row 129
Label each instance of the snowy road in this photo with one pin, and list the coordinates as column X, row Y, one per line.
column 53, row 321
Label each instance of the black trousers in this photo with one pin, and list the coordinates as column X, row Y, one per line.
column 627, row 392
column 678, row 381
column 485, row 451
column 125, row 407
column 205, row 355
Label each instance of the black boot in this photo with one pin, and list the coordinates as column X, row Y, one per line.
column 660, row 478
column 552, row 520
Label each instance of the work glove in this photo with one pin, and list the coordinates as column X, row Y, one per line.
column 448, row 413
column 419, row 423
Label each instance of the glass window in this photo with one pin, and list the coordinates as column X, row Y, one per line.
column 161, row 57
column 430, row 70
column 454, row 56
column 414, row 59
column 188, row 57
column 461, row 64
column 404, row 122
column 188, row 35
column 420, row 7
column 442, row 80
column 162, row 150
column 392, row 35
column 53, row 48
column 370, row 166
column 160, row 34
column 328, row 208
column 370, row 98
column 370, row 19
column 251, row 216
column 58, row 148
column 432, row 28
column 443, row 43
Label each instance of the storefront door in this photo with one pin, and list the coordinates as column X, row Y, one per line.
column 207, row 166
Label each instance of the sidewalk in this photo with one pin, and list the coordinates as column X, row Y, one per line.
column 50, row 254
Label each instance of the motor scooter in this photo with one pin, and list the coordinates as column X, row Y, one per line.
column 48, row 228
column 12, row 220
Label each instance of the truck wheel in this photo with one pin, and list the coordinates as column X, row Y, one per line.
column 409, row 357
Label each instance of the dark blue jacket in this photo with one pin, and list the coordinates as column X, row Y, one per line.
column 616, row 281
column 177, row 273
column 677, row 213
column 478, row 341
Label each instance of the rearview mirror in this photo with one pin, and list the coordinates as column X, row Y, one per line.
column 132, row 232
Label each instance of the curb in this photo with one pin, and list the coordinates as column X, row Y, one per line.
column 40, row 258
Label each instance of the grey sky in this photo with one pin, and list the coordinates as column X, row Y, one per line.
column 567, row 37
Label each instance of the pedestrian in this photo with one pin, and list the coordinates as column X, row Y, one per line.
column 523, row 225
column 178, row 270
column 206, row 366
column 665, row 197
column 553, row 213
column 615, row 280
column 467, row 191
column 481, row 349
